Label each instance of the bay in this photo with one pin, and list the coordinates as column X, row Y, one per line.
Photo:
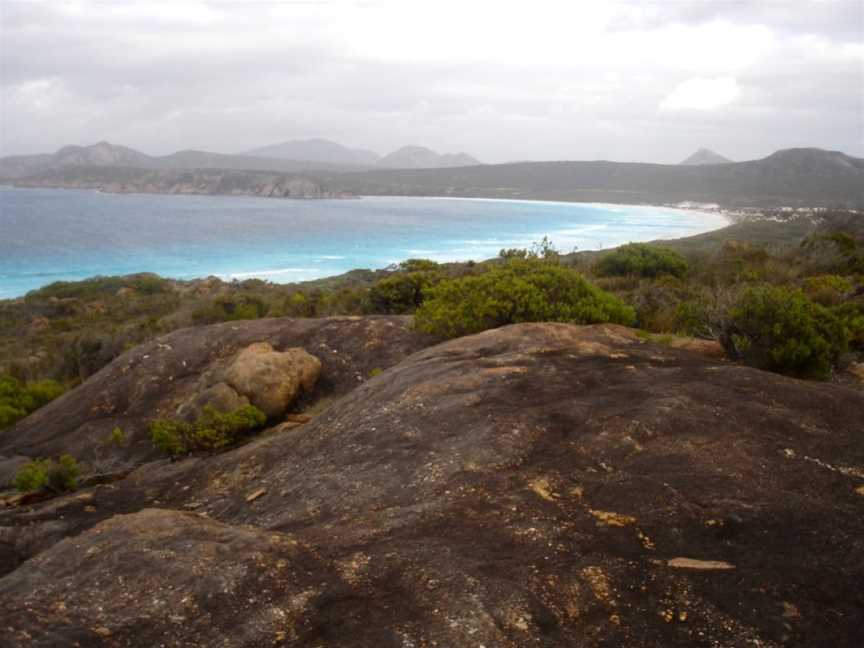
column 49, row 235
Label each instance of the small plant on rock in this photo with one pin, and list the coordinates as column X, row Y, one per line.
column 45, row 474
column 212, row 430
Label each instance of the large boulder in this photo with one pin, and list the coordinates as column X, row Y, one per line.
column 271, row 380
column 535, row 485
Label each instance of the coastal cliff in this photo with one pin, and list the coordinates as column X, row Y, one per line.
column 197, row 181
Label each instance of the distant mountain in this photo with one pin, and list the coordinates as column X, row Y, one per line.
column 705, row 156
column 317, row 150
column 815, row 161
column 793, row 177
column 105, row 154
column 419, row 157
column 207, row 160
column 101, row 154
column 124, row 179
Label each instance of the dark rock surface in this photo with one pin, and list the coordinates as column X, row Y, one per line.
column 154, row 379
column 536, row 485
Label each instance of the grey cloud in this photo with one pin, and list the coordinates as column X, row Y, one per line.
column 248, row 75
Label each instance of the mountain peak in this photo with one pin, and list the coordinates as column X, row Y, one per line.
column 420, row 157
column 705, row 156
column 100, row 154
column 316, row 150
column 815, row 159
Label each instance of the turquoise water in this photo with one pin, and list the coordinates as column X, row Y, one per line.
column 50, row 235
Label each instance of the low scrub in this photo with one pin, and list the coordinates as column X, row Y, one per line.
column 59, row 476
column 782, row 330
column 517, row 290
column 18, row 398
column 230, row 309
column 641, row 260
column 403, row 291
column 213, row 430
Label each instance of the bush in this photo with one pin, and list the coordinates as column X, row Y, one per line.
column 170, row 436
column 402, row 291
column 45, row 474
column 229, row 309
column 116, row 438
column 32, row 476
column 782, row 330
column 639, row 259
column 839, row 252
column 828, row 290
column 18, row 399
column 517, row 290
column 212, row 430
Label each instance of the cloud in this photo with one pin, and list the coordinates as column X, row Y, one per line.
column 503, row 80
column 702, row 94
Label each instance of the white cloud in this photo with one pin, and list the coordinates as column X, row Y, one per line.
column 501, row 79
column 701, row 93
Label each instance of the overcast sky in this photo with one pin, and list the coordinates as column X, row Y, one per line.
column 503, row 80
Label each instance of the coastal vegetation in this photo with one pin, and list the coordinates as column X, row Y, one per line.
column 518, row 290
column 212, row 430
column 18, row 398
column 751, row 286
column 58, row 476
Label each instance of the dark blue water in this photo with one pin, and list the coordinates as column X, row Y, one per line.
column 49, row 235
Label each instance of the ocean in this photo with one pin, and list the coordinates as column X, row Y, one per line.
column 49, row 235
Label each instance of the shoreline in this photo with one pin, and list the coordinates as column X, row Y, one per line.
column 714, row 211
column 714, row 220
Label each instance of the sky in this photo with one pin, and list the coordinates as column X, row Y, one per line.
column 502, row 80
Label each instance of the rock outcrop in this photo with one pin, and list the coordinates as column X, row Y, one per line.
column 535, row 485
column 271, row 380
column 180, row 372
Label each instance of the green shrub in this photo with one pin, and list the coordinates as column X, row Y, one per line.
column 18, row 399
column 215, row 429
column 782, row 330
column 399, row 293
column 639, row 259
column 419, row 265
column 692, row 318
column 851, row 313
column 542, row 249
column 828, row 290
column 63, row 475
column 150, row 284
column 170, row 436
column 212, row 430
column 838, row 252
column 229, row 309
column 300, row 305
column 45, row 474
column 32, row 476
column 117, row 437
column 517, row 290
column 402, row 291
